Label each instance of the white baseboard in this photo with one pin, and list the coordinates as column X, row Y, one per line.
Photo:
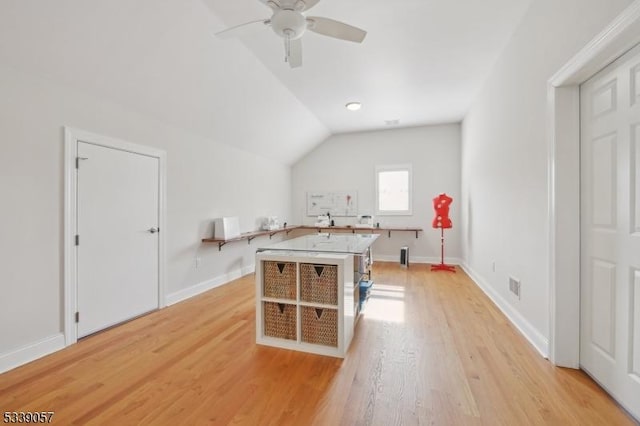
column 197, row 289
column 415, row 259
column 534, row 337
column 31, row 352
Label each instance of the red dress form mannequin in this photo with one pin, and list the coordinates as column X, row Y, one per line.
column 441, row 220
column 441, row 205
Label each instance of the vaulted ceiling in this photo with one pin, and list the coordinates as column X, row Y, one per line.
column 421, row 62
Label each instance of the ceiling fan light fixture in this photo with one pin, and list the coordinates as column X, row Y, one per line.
column 288, row 24
column 353, row 106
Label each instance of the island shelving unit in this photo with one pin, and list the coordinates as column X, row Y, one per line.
column 307, row 291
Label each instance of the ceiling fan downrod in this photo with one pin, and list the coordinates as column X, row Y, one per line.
column 287, row 43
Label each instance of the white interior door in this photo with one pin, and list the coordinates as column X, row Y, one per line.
column 610, row 229
column 118, row 250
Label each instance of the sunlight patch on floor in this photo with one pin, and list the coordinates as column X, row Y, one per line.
column 386, row 303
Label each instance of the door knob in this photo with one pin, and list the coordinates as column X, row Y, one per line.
column 154, row 230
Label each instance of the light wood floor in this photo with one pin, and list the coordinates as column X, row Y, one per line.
column 431, row 349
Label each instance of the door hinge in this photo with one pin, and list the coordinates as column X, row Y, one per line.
column 77, row 240
column 77, row 316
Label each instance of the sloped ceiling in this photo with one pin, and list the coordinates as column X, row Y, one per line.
column 422, row 61
column 159, row 57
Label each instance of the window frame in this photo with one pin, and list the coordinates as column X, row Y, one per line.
column 394, row 168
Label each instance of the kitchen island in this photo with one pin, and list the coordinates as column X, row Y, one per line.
column 308, row 291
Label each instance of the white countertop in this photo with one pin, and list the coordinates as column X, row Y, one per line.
column 325, row 243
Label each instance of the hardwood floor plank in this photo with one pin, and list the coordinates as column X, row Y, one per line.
column 430, row 349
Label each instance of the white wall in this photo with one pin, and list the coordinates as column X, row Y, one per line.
column 347, row 162
column 504, row 158
column 207, row 177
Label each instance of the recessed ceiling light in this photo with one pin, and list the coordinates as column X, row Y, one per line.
column 353, row 106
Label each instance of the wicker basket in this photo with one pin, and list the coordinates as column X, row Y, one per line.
column 279, row 280
column 319, row 283
column 320, row 326
column 280, row 320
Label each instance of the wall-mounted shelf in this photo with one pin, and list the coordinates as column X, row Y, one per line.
column 354, row 229
column 249, row 236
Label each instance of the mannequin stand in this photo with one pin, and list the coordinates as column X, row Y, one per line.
column 442, row 266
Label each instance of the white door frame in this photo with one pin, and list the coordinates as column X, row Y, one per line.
column 71, row 137
column 564, row 179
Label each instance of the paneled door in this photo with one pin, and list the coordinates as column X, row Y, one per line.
column 117, row 228
column 610, row 229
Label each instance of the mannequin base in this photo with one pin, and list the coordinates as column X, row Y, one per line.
column 443, row 267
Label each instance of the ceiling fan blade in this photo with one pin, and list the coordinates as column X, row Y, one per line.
column 243, row 29
column 336, row 29
column 294, row 53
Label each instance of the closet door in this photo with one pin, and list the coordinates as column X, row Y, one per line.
column 610, row 229
column 118, row 251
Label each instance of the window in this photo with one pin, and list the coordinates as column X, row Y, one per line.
column 393, row 190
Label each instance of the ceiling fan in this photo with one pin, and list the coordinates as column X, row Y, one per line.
column 289, row 23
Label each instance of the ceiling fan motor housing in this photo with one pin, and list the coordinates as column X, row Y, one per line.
column 288, row 24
